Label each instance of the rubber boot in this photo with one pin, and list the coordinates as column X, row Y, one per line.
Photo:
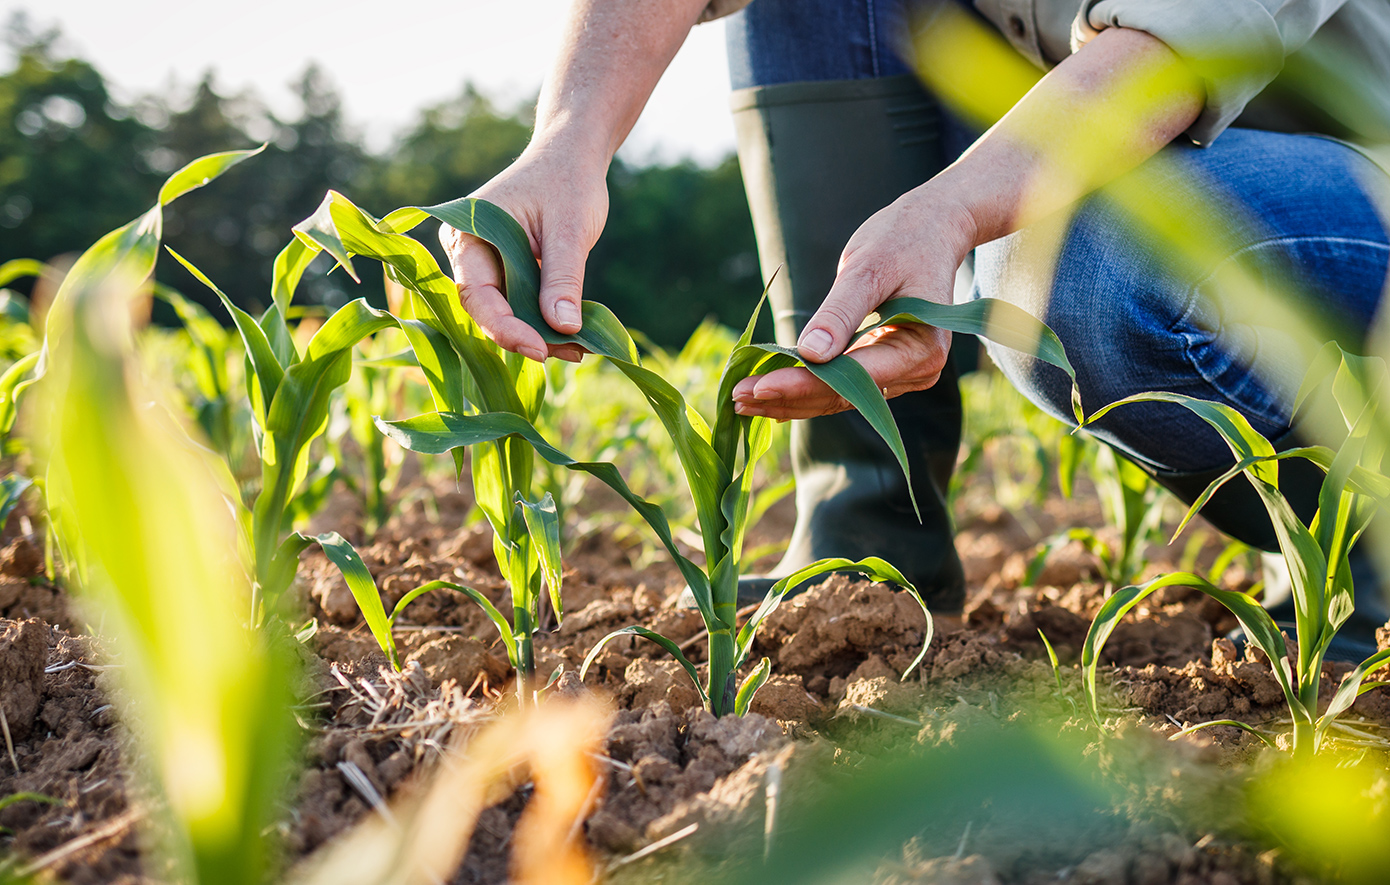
column 818, row 159
column 1237, row 510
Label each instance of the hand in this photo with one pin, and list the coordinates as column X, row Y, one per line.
column 562, row 204
column 909, row 249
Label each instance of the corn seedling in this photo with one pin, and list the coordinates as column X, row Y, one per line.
column 465, row 373
column 1316, row 553
column 208, row 359
column 1133, row 504
column 373, row 390
column 151, row 546
column 718, row 457
column 17, row 341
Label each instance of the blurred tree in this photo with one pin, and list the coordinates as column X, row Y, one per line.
column 678, row 247
column 73, row 165
column 452, row 151
column 233, row 231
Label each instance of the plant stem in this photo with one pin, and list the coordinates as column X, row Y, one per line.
column 1303, row 725
column 721, row 671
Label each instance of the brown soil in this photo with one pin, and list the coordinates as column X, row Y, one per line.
column 837, row 651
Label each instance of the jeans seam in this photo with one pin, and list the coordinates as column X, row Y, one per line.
column 1192, row 299
column 873, row 38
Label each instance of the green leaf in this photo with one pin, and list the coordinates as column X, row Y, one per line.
column 18, row 269
column 438, row 432
column 504, row 628
column 543, row 524
column 849, row 379
column 15, row 798
column 1306, row 560
column 999, row 321
column 871, row 567
column 1349, row 690
column 660, row 640
column 601, row 334
column 1234, row 723
column 14, row 382
column 363, row 587
column 267, row 371
column 1069, row 452
column 200, row 172
column 289, row 268
column 299, row 413
column 750, row 686
column 12, row 488
column 1257, row 623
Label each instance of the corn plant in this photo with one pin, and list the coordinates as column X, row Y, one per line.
column 211, row 347
column 465, row 372
column 17, row 341
column 1316, row 552
column 151, row 546
column 718, row 457
column 374, row 388
column 1133, row 504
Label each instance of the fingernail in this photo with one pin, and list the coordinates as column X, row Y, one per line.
column 767, row 394
column 740, row 408
column 534, row 353
column 744, row 396
column 567, row 313
column 816, row 342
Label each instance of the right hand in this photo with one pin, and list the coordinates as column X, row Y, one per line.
column 562, row 205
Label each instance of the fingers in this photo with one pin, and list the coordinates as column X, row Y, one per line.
column 899, row 359
column 479, row 276
column 860, row 287
column 562, row 281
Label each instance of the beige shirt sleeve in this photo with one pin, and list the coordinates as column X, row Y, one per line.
column 1237, row 47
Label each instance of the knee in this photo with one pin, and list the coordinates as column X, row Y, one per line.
column 1111, row 302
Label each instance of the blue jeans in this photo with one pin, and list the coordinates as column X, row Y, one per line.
column 1131, row 321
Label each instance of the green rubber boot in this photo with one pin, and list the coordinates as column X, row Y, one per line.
column 818, row 159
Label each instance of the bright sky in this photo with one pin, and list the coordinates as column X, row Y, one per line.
column 387, row 60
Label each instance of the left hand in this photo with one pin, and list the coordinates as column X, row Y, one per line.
column 909, row 249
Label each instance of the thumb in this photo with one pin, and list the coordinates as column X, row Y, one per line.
column 562, row 283
column 855, row 294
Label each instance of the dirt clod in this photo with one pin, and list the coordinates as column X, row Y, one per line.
column 23, row 653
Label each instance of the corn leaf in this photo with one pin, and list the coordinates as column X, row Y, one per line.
column 660, row 640
column 1350, row 689
column 871, row 567
column 289, row 268
column 543, row 524
column 1234, row 723
column 200, row 172
column 266, row 370
column 1306, row 560
column 1257, row 623
column 601, row 334
column 13, row 383
column 19, row 268
column 364, row 590
column 299, row 413
column 12, row 488
column 750, row 686
column 438, row 432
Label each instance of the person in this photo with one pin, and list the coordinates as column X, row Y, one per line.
column 862, row 187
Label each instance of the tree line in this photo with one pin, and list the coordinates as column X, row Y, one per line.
column 75, row 163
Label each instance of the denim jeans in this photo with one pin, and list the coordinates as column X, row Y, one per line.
column 1130, row 320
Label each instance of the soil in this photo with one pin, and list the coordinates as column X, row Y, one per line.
column 836, row 701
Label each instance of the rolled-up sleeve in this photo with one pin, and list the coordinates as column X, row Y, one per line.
column 1237, row 47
